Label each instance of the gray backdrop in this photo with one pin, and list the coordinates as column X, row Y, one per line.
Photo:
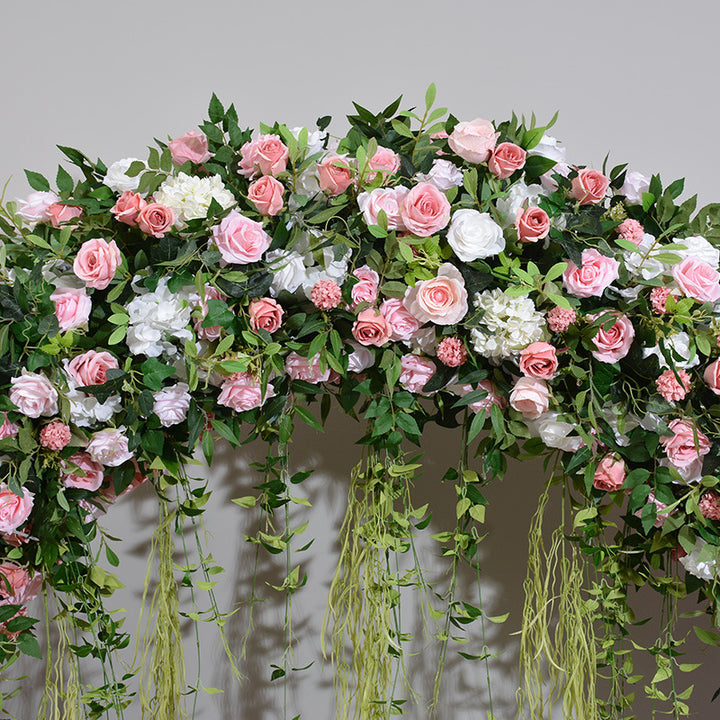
column 634, row 79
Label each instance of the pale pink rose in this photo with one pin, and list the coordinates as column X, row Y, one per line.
column 22, row 588
column 441, row 300
column 473, row 141
column 532, row 224
column 14, row 509
column 265, row 314
column 72, row 307
column 240, row 240
column 55, row 435
column 59, row 214
column 385, row 161
column 613, row 343
column 96, row 262
column 403, row 324
column 560, row 319
column 156, row 219
column 242, row 391
column 697, row 279
column 268, row 154
column 589, row 186
column 190, row 147
column 109, row 447
column 366, row 289
column 214, row 331
column 425, row 210
column 387, row 200
column 610, row 473
column 669, row 387
column 8, row 429
column 712, row 376
column 326, row 294
column 452, row 352
column 171, row 404
column 632, row 231
column 335, row 175
column 484, row 404
column 539, row 360
column 33, row 395
column 361, row 358
column 371, row 328
column 266, row 194
column 415, row 373
column 531, row 397
column 300, row 368
column 127, row 208
column 89, row 476
column 686, row 445
column 506, row 159
column 596, row 273
column 34, row 208
column 91, row 367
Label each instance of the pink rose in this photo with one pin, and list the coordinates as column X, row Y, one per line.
column 240, row 240
column 386, row 199
column 72, row 307
column 425, row 210
column 265, row 314
column 366, row 289
column 385, row 162
column 213, row 332
column 484, row 404
column 8, row 429
column 33, row 395
column 697, row 279
column 711, row 376
column 267, row 195
column 610, row 473
column 242, row 391
column 128, row 207
column 96, row 262
column 403, row 324
column 532, row 225
column 416, row 371
column 538, row 360
column 441, row 300
column 596, row 272
column 506, row 159
column 300, row 368
column 14, row 509
column 58, row 213
column 91, row 367
column 109, row 447
column 613, row 343
column 190, row 147
column 22, row 588
column 34, row 208
column 371, row 328
column 55, row 435
column 686, row 445
column 89, row 476
column 267, row 154
column 531, row 397
column 473, row 141
column 171, row 404
column 156, row 219
column 589, row 186
column 335, row 175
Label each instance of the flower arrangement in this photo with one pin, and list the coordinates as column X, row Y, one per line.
column 419, row 269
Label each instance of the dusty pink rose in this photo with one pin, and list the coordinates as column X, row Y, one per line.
column 371, row 328
column 22, row 588
column 686, row 445
column 214, row 331
column 366, row 289
column 403, row 324
column 531, row 397
column 156, row 219
column 532, row 224
column 425, row 210
column 242, row 391
column 268, row 154
column 451, row 352
column 669, row 387
column 441, row 300
column 632, row 231
column 33, row 395
column 72, row 307
column 109, row 447
column 385, row 162
column 712, row 376
column 127, row 208
column 560, row 319
column 596, row 273
column 326, row 294
column 55, row 435
column 484, row 404
column 58, row 213
column 89, row 476
column 658, row 298
column 386, row 199
column 416, row 371
column 240, row 240
column 265, row 314
column 506, row 159
column 33, row 209
column 539, row 360
column 473, row 141
column 335, row 175
column 171, row 404
column 589, row 186
column 613, row 343
column 709, row 505
column 91, row 367
column 266, row 194
column 610, row 473
column 190, row 147
column 14, row 509
column 300, row 368
column 7, row 429
column 96, row 262
column 697, row 279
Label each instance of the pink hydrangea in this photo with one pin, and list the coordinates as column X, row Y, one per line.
column 632, row 231
column 560, row 319
column 709, row 505
column 669, row 387
column 452, row 352
column 55, row 436
column 326, row 294
column 658, row 298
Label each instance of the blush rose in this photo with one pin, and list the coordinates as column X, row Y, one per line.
column 539, row 360
column 240, row 240
column 266, row 194
column 612, row 343
column 610, row 473
column 596, row 272
column 189, row 147
column 474, row 140
column 425, row 210
column 265, row 314
column 531, row 397
column 442, row 300
column 96, row 262
column 697, row 279
column 72, row 307
column 91, row 367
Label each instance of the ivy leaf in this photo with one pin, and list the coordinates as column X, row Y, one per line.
column 155, row 372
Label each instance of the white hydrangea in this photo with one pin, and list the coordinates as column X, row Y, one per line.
column 117, row 180
column 191, row 196
column 158, row 317
column 315, row 140
column 643, row 262
column 508, row 325
column 85, row 410
column 515, row 200
column 679, row 346
column 702, row 561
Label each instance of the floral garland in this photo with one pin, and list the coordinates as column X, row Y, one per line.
column 418, row 269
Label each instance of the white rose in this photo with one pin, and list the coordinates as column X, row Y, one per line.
column 315, row 140
column 678, row 345
column 634, row 186
column 698, row 247
column 288, row 268
column 702, row 560
column 443, row 175
column 642, row 262
column 33, row 209
column 473, row 235
column 360, row 359
column 171, row 404
column 550, row 148
column 554, row 433
column 117, row 180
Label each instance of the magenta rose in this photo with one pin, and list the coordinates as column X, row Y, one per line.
column 72, row 307
column 14, row 509
column 589, row 186
column 91, row 367
column 532, row 225
column 127, row 208
column 441, row 300
column 58, row 213
column 335, row 175
column 268, row 154
column 240, row 240
column 711, row 376
column 385, row 162
column 613, row 343
column 506, row 159
column 265, row 314
column 539, row 360
column 267, row 195
column 596, row 273
column 531, row 397
column 610, row 473
column 697, row 279
column 371, row 328
column 156, row 219
column 366, row 289
column 190, row 147
column 386, row 199
column 686, row 445
column 415, row 373
column 425, row 210
column 473, row 141
column 109, row 447
column 33, row 395
column 243, row 392
column 403, row 324
column 88, row 475
column 96, row 262
column 7, row 429
column 300, row 368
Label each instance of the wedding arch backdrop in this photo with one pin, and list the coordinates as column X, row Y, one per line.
column 418, row 270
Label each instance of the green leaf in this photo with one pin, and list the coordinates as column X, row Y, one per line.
column 155, row 372
column 216, row 111
column 28, row 645
column 307, row 417
column 37, row 181
column 430, row 94
column 401, row 128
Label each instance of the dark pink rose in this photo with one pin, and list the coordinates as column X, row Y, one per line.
column 506, row 159
column 385, row 162
column 267, row 195
column 335, row 175
column 610, row 473
column 539, row 360
column 589, row 186
column 190, row 147
column 265, row 314
column 425, row 210
column 128, row 207
column 711, row 376
column 156, row 219
column 532, row 225
column 96, row 262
